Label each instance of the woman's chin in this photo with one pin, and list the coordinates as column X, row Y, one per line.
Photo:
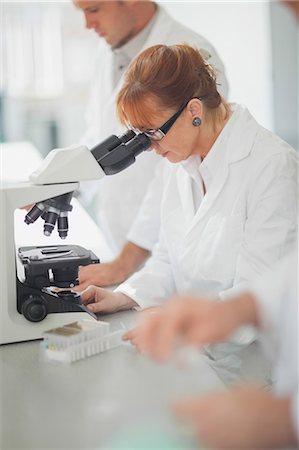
column 172, row 158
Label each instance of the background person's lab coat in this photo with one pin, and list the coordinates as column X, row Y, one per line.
column 118, row 198
column 244, row 223
column 278, row 303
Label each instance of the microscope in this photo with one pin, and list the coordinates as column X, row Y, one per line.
column 31, row 305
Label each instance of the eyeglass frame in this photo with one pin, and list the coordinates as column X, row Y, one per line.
column 157, row 134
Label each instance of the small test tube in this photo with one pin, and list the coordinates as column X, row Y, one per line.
column 79, row 340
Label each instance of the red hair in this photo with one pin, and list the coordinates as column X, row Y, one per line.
column 169, row 75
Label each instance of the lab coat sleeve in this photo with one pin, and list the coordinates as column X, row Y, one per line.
column 277, row 301
column 276, row 288
column 274, row 293
column 145, row 229
column 271, row 224
column 154, row 283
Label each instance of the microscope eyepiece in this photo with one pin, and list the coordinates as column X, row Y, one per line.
column 109, row 145
column 127, row 136
column 123, row 155
column 139, row 144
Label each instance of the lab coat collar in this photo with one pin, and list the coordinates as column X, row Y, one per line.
column 192, row 165
column 241, row 127
column 161, row 28
column 240, row 132
column 185, row 174
column 233, row 144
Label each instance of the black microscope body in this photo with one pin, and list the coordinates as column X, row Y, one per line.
column 46, row 267
column 58, row 266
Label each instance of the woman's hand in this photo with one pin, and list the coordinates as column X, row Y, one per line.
column 100, row 300
column 189, row 320
column 105, row 274
column 114, row 272
column 243, row 418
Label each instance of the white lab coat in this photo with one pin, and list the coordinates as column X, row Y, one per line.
column 118, row 197
column 278, row 304
column 245, row 222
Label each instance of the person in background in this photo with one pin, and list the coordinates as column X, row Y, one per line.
column 229, row 203
column 245, row 416
column 126, row 28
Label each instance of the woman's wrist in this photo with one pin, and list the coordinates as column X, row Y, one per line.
column 124, row 302
column 120, row 270
column 130, row 259
column 244, row 310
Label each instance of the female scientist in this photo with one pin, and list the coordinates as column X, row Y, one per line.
column 229, row 203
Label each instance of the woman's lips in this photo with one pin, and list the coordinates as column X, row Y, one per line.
column 100, row 33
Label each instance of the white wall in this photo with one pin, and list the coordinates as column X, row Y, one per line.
column 240, row 32
column 47, row 62
column 285, row 62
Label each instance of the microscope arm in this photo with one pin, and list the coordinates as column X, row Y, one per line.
column 78, row 163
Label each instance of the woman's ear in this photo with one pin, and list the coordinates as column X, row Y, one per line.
column 195, row 108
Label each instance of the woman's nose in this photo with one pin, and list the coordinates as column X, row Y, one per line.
column 89, row 22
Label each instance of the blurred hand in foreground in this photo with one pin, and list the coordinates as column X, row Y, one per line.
column 244, row 418
column 190, row 320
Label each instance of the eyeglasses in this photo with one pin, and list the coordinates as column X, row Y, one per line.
column 156, row 134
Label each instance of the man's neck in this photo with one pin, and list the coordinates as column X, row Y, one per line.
column 142, row 18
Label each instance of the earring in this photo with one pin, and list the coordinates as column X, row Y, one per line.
column 196, row 122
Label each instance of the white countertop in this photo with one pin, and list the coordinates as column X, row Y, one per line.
column 117, row 399
column 111, row 400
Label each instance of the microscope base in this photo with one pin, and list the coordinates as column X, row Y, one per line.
column 19, row 329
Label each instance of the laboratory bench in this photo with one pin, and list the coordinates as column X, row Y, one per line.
column 115, row 399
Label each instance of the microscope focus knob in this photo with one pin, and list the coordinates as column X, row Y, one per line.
column 34, row 308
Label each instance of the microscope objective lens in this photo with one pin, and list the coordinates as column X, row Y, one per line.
column 62, row 225
column 50, row 221
column 35, row 212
